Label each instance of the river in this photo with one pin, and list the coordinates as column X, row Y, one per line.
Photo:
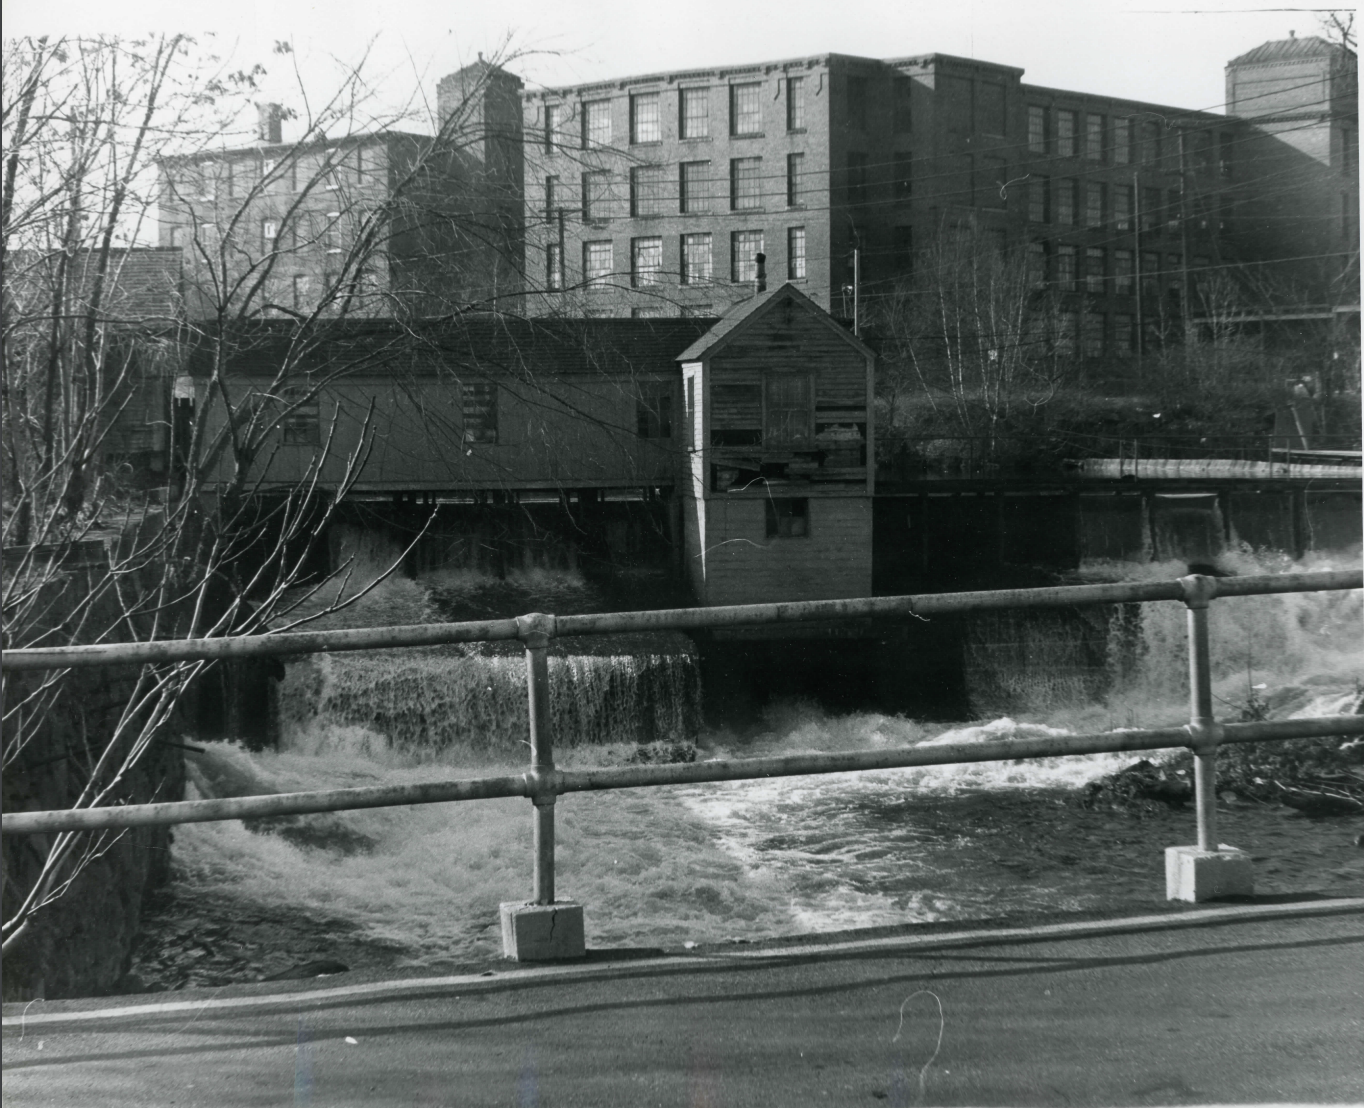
column 420, row 886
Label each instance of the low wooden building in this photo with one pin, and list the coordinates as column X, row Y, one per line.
column 777, row 494
column 751, row 436
column 492, row 405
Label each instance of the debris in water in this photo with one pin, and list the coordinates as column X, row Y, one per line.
column 663, row 753
column 1143, row 781
column 323, row 967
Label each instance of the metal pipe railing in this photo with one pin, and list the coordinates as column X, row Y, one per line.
column 676, row 619
column 540, row 781
column 543, row 783
column 1202, row 724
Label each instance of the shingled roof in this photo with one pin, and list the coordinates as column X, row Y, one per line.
column 489, row 346
column 745, row 310
column 572, row 345
column 1288, row 49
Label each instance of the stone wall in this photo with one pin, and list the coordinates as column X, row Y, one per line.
column 80, row 944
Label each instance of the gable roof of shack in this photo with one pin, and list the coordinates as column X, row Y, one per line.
column 488, row 346
column 747, row 312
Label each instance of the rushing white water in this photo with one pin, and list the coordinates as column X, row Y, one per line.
column 742, row 859
column 430, row 701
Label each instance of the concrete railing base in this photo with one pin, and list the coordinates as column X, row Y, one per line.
column 1193, row 874
column 542, row 932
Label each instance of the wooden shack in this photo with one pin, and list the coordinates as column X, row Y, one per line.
column 777, row 493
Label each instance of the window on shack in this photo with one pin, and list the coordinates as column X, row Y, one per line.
column 788, row 410
column 788, row 517
column 480, row 412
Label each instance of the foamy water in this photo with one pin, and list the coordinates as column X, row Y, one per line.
column 747, row 859
column 436, row 873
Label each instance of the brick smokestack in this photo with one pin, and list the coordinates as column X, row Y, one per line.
column 761, row 259
column 268, row 125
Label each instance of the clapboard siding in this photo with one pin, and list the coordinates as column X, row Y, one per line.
column 840, row 370
column 550, row 433
column 744, row 566
column 738, row 465
column 736, row 405
column 841, row 390
column 694, row 423
column 788, row 339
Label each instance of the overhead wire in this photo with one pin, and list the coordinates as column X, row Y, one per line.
column 970, row 191
column 1078, row 226
column 1188, row 120
column 1034, row 158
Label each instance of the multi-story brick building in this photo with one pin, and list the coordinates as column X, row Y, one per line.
column 385, row 223
column 654, row 195
column 1116, row 205
column 1296, row 179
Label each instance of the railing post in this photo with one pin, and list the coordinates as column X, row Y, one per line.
column 545, row 928
column 1206, row 870
column 1198, row 592
column 535, row 636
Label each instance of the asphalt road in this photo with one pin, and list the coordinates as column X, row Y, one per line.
column 1238, row 1009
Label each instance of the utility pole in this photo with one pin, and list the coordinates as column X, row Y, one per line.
column 1184, row 234
column 1136, row 262
column 857, row 290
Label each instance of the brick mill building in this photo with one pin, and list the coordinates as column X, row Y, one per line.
column 386, row 224
column 653, row 195
column 1295, row 186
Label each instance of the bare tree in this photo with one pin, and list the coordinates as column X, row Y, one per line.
column 977, row 334
column 158, row 483
column 1219, row 354
column 1339, row 27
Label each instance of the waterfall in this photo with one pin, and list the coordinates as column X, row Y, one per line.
column 1032, row 661
column 1134, row 656
column 469, row 702
column 448, row 703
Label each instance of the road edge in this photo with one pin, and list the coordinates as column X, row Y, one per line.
column 19, row 1016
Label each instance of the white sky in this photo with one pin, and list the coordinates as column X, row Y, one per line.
column 1167, row 51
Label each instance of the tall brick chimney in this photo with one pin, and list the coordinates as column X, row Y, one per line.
column 268, row 129
column 761, row 260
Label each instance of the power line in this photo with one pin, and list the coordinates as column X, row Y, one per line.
column 1209, row 124
column 665, row 196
